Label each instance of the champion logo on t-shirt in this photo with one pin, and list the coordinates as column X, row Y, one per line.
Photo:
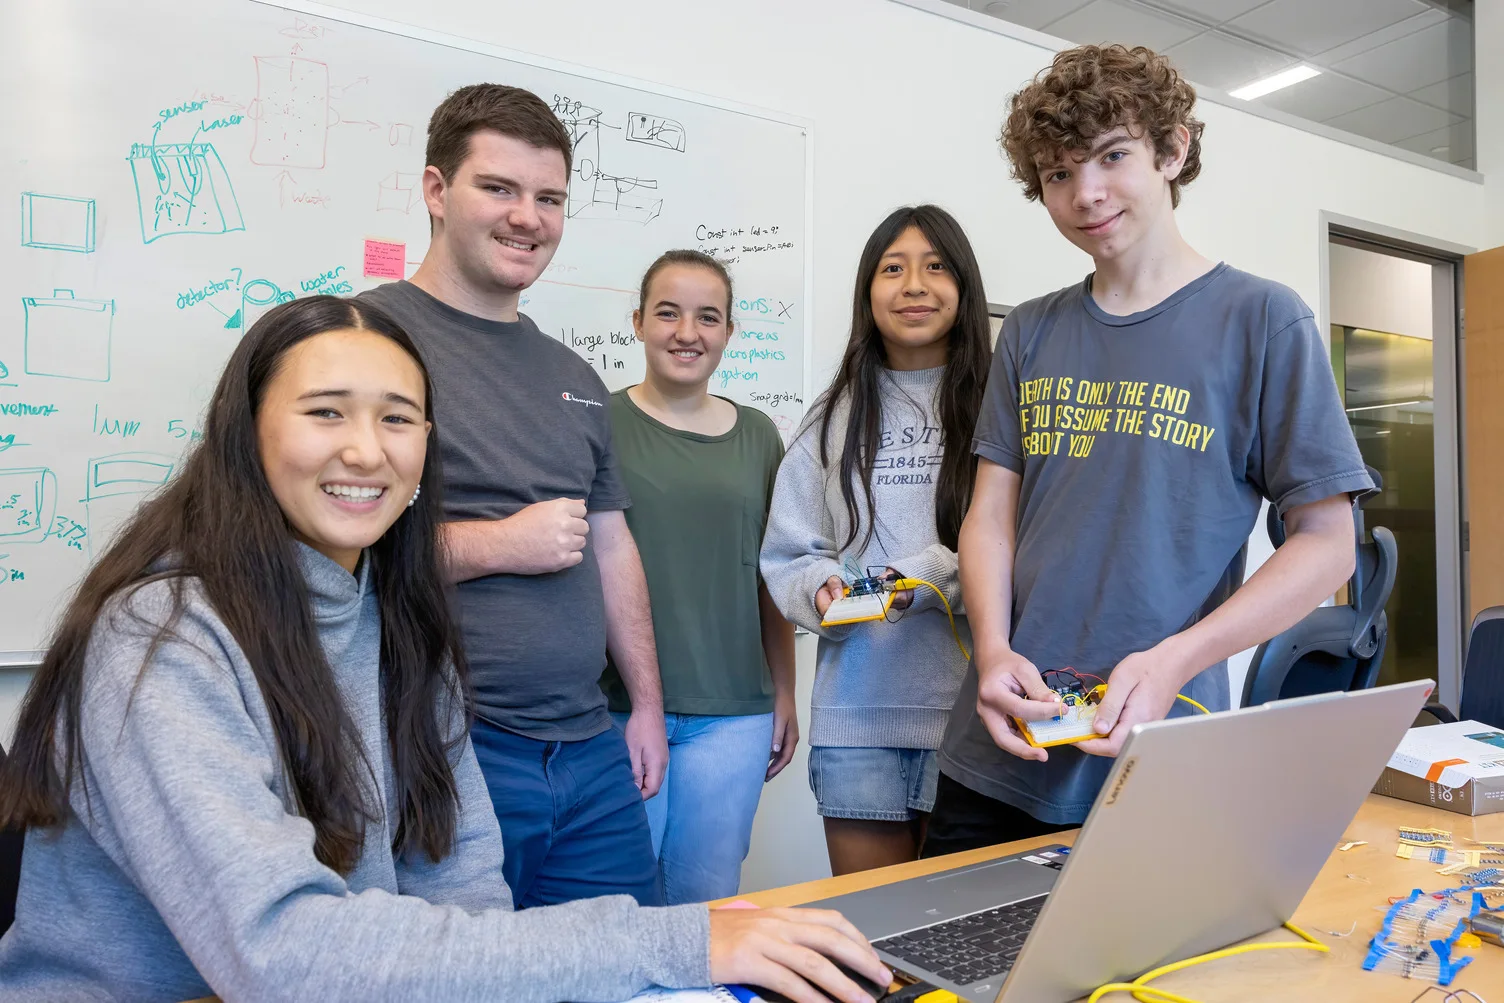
column 581, row 400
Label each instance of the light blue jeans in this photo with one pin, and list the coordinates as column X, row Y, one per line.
column 702, row 815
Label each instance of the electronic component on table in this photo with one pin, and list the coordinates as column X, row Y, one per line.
column 1426, row 837
column 1489, row 927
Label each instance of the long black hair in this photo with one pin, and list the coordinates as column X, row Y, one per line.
column 961, row 389
column 218, row 522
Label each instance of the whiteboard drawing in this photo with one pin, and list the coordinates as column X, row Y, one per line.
column 595, row 193
column 182, row 188
column 256, row 298
column 399, row 191
column 655, row 130
column 57, row 222
column 291, row 112
column 68, row 337
column 280, row 169
column 28, row 499
column 114, row 487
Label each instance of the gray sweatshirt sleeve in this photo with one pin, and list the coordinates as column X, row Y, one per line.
column 798, row 547
column 182, row 799
column 937, row 565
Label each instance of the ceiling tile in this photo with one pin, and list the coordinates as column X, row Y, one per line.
column 1454, row 143
column 1429, row 56
column 1373, row 40
column 1324, row 97
column 1310, row 28
column 1393, row 120
column 1029, row 13
column 1104, row 21
column 1213, row 11
column 1224, row 62
column 1455, row 95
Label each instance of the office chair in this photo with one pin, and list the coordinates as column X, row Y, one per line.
column 10, row 871
column 1482, row 675
column 1334, row 647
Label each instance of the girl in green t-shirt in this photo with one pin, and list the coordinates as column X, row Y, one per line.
column 700, row 469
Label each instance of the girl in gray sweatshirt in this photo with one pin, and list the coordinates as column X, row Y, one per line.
column 244, row 765
column 876, row 481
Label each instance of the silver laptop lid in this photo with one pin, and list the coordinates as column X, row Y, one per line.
column 1209, row 830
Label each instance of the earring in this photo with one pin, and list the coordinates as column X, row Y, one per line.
column 414, row 498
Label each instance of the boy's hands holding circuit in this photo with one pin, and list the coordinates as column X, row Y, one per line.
column 1010, row 689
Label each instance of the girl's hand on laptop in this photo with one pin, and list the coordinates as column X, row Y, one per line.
column 1142, row 688
column 789, row 950
column 1008, row 687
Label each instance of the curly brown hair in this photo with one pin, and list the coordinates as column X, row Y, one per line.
column 1090, row 90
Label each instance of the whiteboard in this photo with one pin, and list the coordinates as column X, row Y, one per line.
column 176, row 172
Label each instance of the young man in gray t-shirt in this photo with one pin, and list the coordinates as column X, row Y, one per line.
column 546, row 570
column 1133, row 425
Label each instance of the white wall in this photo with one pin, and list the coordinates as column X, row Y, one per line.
column 1380, row 292
column 906, row 107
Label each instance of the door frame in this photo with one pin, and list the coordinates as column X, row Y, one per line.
column 1445, row 258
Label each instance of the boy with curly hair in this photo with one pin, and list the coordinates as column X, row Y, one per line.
column 1133, row 425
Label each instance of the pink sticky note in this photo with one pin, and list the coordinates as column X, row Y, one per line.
column 385, row 259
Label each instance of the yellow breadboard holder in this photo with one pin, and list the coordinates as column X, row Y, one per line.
column 1076, row 721
column 857, row 609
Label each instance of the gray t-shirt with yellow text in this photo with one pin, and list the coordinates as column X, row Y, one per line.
column 1146, row 444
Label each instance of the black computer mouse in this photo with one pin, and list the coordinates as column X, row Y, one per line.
column 867, row 986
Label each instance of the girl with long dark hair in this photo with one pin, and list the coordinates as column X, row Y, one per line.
column 244, row 765
column 879, row 477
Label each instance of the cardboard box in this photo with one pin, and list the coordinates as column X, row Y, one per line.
column 1456, row 767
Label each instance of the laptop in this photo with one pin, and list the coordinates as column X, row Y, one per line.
column 1209, row 830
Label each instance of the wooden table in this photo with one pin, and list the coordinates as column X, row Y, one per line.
column 1351, row 889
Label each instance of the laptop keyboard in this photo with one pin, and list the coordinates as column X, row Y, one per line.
column 969, row 949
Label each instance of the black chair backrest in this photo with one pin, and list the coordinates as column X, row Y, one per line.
column 1483, row 673
column 10, row 872
column 1334, row 647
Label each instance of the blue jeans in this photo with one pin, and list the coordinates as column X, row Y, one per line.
column 702, row 816
column 572, row 821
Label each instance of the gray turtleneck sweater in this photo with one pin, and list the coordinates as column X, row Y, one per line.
column 187, row 873
column 882, row 685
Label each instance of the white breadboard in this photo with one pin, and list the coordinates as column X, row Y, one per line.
column 857, row 609
column 1077, row 722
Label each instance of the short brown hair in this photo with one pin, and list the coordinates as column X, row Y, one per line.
column 695, row 259
column 511, row 111
column 1091, row 90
